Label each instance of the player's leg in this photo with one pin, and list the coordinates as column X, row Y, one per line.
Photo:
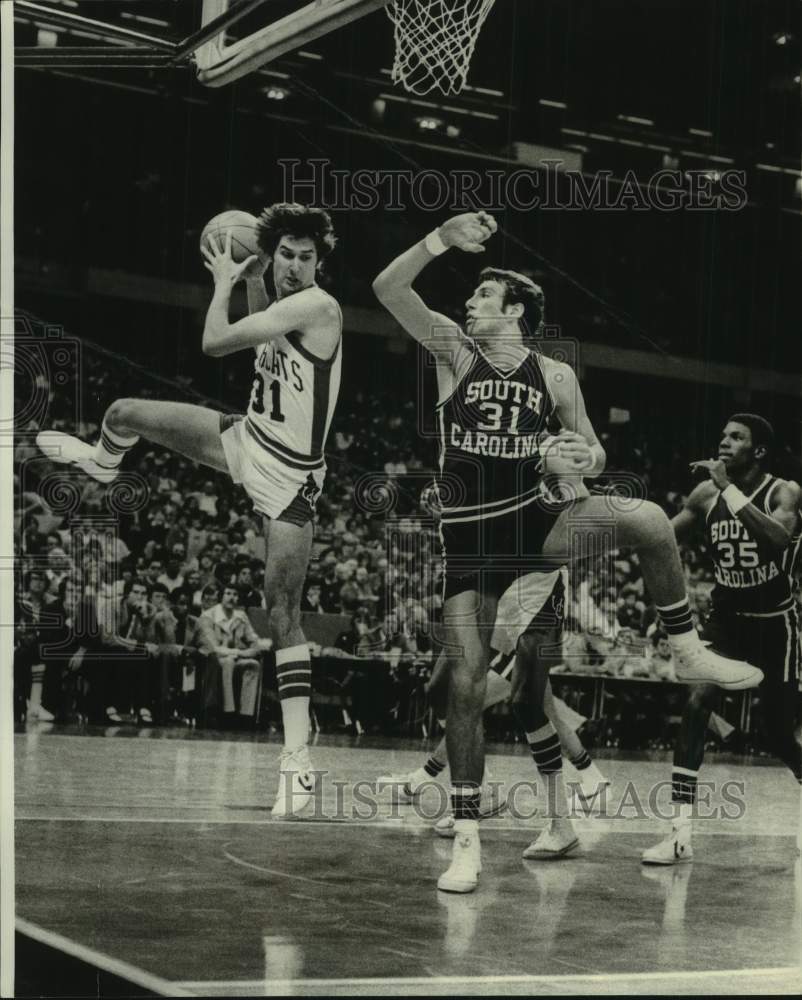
column 467, row 621
column 534, row 658
column 411, row 784
column 688, row 755
column 644, row 527
column 192, row 431
column 288, row 547
column 779, row 694
column 591, row 780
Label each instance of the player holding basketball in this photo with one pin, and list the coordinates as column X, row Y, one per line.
column 275, row 450
column 751, row 524
column 496, row 399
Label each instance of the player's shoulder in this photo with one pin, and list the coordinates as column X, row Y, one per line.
column 557, row 371
column 787, row 492
column 322, row 305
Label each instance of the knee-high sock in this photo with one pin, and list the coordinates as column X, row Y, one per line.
column 546, row 753
column 112, row 446
column 294, row 674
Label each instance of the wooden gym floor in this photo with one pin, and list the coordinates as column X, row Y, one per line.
column 147, row 862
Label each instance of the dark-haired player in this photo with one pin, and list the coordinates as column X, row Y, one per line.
column 275, row 450
column 497, row 398
column 751, row 524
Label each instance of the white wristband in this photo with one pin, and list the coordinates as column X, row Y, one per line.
column 434, row 244
column 734, row 498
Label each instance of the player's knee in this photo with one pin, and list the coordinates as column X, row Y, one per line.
column 649, row 522
column 122, row 415
column 280, row 621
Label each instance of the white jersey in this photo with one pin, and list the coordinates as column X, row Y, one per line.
column 293, row 399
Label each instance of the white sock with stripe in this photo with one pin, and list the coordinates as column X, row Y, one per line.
column 112, row 446
column 294, row 675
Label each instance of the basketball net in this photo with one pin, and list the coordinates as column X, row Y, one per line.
column 434, row 42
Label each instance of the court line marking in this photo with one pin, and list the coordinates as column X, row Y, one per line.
column 114, row 966
column 584, row 825
column 278, row 984
column 275, row 871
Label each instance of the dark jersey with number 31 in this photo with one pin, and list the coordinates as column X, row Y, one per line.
column 489, row 435
column 752, row 577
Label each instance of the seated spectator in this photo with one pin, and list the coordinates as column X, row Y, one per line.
column 35, row 686
column 630, row 610
column 194, row 676
column 229, row 635
column 59, row 566
column 132, row 675
column 310, row 600
column 663, row 666
column 248, row 596
column 207, row 499
column 172, row 578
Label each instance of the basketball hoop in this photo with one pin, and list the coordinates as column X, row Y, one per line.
column 434, row 42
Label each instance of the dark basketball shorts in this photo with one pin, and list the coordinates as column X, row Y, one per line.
column 277, row 490
column 770, row 642
column 488, row 555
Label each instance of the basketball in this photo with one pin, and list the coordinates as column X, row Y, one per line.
column 241, row 225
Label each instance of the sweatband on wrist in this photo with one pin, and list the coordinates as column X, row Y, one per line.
column 734, row 498
column 434, row 244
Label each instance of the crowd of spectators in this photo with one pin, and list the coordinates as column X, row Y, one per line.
column 142, row 612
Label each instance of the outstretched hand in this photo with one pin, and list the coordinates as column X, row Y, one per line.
column 717, row 470
column 219, row 261
column 468, row 231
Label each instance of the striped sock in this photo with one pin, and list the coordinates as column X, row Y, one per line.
column 582, row 760
column 465, row 797
column 433, row 767
column 676, row 618
column 294, row 675
column 112, row 447
column 683, row 785
column 545, row 746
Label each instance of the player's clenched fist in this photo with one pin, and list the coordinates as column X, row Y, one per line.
column 468, row 231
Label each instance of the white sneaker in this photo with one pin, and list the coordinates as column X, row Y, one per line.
column 38, row 713
column 408, row 786
column 555, row 842
column 588, row 783
column 492, row 804
column 466, row 862
column 673, row 849
column 68, row 450
column 296, row 783
column 700, row 665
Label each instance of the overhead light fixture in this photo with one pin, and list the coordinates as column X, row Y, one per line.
column 274, row 93
column 453, row 131
column 46, row 38
column 783, row 38
column 426, row 123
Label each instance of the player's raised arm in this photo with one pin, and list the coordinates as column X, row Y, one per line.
column 693, row 512
column 393, row 287
column 311, row 311
column 578, row 439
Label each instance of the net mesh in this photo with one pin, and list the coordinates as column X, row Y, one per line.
column 434, row 42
